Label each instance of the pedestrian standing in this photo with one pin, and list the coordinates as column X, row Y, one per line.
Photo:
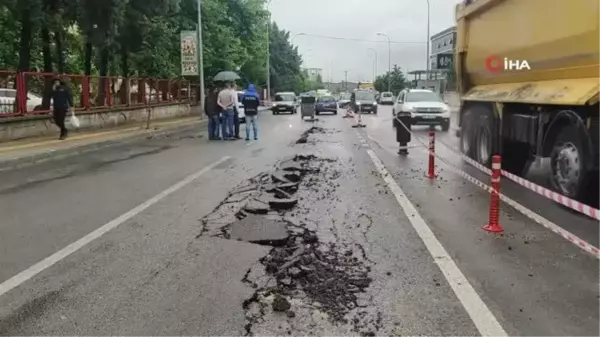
column 225, row 101
column 251, row 102
column 212, row 111
column 62, row 103
column 236, row 115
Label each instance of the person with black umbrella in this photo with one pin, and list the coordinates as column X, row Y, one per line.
column 226, row 101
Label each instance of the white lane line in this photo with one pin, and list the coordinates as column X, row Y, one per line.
column 480, row 314
column 37, row 268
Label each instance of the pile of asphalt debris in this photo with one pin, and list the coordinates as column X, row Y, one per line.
column 326, row 277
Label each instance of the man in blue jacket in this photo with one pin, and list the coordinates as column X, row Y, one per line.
column 251, row 101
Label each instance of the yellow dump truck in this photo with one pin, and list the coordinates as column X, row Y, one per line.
column 528, row 78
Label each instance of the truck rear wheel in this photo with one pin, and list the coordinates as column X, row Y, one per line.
column 568, row 164
column 466, row 137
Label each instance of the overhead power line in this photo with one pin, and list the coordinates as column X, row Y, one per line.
column 357, row 40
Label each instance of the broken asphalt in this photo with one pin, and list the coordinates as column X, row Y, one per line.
column 295, row 234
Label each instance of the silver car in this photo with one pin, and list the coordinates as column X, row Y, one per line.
column 425, row 108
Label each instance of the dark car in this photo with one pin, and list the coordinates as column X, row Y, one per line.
column 365, row 100
column 326, row 104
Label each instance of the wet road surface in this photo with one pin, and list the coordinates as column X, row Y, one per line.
column 303, row 232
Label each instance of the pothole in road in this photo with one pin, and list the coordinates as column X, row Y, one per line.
column 303, row 283
column 313, row 130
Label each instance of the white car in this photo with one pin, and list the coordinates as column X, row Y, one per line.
column 425, row 108
column 240, row 107
column 386, row 98
column 285, row 101
column 8, row 97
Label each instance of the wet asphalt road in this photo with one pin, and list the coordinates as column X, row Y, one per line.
column 169, row 266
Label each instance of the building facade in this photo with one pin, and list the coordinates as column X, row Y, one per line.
column 442, row 45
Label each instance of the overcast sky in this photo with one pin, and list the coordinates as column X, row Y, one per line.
column 401, row 20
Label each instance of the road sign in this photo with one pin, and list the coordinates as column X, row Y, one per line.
column 189, row 53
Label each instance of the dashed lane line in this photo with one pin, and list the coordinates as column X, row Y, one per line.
column 37, row 268
column 480, row 314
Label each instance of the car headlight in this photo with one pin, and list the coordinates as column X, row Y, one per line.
column 357, row 103
column 374, row 103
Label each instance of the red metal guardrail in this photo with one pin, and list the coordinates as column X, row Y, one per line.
column 29, row 93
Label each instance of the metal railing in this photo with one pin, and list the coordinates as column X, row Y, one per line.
column 29, row 93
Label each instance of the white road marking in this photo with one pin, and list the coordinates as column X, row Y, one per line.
column 480, row 314
column 37, row 268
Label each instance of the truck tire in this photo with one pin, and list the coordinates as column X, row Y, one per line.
column 568, row 164
column 486, row 137
column 466, row 136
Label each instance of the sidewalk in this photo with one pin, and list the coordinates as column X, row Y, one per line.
column 34, row 150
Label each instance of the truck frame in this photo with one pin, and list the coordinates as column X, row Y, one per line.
column 549, row 111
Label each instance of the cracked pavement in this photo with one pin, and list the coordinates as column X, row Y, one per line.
column 294, row 234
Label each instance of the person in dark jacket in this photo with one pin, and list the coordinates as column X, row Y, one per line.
column 62, row 103
column 212, row 110
column 251, row 101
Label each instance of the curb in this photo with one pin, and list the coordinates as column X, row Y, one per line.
column 51, row 155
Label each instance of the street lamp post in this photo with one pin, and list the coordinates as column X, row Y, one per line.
column 428, row 57
column 374, row 64
column 268, row 52
column 200, row 55
column 389, row 60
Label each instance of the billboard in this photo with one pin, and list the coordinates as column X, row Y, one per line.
column 444, row 60
column 189, row 53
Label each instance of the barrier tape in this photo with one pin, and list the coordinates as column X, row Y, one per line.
column 582, row 244
column 549, row 194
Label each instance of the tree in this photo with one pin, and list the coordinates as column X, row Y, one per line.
column 285, row 62
column 398, row 81
column 141, row 38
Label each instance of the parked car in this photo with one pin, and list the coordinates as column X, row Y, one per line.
column 285, row 101
column 241, row 112
column 425, row 107
column 386, row 98
column 8, row 97
column 365, row 100
column 326, row 104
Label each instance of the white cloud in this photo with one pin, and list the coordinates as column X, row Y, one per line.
column 401, row 20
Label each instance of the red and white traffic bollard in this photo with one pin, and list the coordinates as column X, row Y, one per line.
column 431, row 167
column 494, row 220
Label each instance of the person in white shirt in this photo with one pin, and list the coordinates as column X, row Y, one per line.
column 226, row 102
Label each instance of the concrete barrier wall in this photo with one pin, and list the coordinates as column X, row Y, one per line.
column 38, row 126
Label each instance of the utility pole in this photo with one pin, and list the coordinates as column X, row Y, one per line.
column 268, row 53
column 428, row 57
column 346, row 80
column 374, row 65
column 200, row 55
column 389, row 60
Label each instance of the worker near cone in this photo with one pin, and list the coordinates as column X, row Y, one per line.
column 402, row 123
